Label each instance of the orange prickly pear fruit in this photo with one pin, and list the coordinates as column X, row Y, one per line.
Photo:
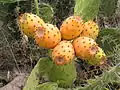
column 47, row 36
column 63, row 53
column 71, row 27
column 82, row 45
column 29, row 22
column 91, row 29
column 87, row 49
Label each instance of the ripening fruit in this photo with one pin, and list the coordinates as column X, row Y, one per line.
column 63, row 53
column 91, row 29
column 87, row 49
column 29, row 22
column 82, row 45
column 71, row 27
column 99, row 58
column 48, row 36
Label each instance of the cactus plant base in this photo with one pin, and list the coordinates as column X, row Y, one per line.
column 64, row 75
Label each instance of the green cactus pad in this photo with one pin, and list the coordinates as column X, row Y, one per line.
column 41, row 68
column 87, row 9
column 47, row 86
column 64, row 75
column 50, row 86
column 45, row 66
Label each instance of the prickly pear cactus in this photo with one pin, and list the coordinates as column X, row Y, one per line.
column 99, row 58
column 71, row 27
column 46, row 12
column 63, row 53
column 47, row 86
column 48, row 36
column 91, row 29
column 33, row 79
column 50, row 86
column 41, row 68
column 82, row 45
column 87, row 49
column 29, row 23
column 64, row 75
column 87, row 9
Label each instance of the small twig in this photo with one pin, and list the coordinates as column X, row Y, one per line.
column 11, row 51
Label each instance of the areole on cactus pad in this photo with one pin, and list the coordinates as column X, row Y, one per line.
column 71, row 27
column 87, row 49
column 63, row 53
column 47, row 36
column 29, row 22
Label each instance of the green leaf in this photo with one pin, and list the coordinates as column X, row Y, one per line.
column 10, row 1
column 108, row 7
column 87, row 9
column 41, row 67
column 109, row 40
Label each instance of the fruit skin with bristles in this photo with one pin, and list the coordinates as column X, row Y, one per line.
column 63, row 53
column 29, row 23
column 87, row 49
column 47, row 36
column 71, row 27
column 99, row 58
column 82, row 45
column 91, row 29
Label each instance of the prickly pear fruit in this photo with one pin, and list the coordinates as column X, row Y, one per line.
column 63, row 53
column 28, row 23
column 99, row 58
column 63, row 75
column 71, row 27
column 47, row 36
column 82, row 45
column 91, row 29
column 87, row 49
